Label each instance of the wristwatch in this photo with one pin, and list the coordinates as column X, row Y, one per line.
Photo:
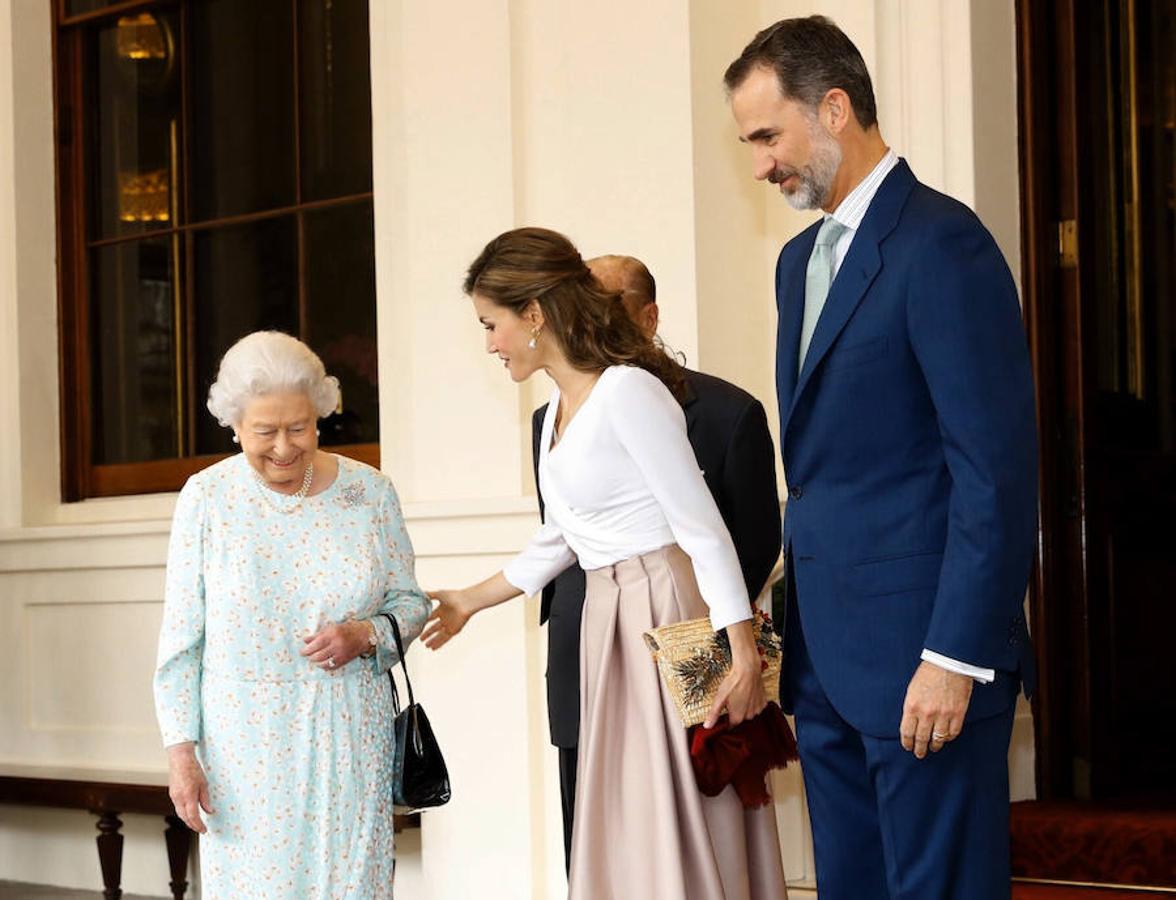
column 373, row 640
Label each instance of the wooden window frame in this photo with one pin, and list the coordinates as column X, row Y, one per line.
column 81, row 478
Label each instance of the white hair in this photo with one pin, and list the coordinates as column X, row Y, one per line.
column 265, row 362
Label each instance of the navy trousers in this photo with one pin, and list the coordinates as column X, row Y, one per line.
column 888, row 826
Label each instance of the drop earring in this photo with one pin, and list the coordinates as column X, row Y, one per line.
column 534, row 339
column 317, row 433
column 236, row 440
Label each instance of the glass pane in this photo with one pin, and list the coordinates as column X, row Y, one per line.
column 245, row 279
column 242, row 103
column 1134, row 337
column 134, row 113
column 77, row 7
column 341, row 313
column 1155, row 81
column 336, row 101
column 135, row 377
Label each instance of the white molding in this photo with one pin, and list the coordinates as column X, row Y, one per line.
column 82, row 771
column 443, row 530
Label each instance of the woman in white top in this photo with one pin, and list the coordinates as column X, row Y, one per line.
column 624, row 497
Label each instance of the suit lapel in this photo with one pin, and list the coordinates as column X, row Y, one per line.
column 857, row 272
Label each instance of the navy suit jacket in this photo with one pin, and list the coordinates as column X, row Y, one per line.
column 728, row 431
column 910, row 450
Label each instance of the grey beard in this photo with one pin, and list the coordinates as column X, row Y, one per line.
column 808, row 195
column 816, row 181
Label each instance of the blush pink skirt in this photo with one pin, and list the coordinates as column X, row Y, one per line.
column 642, row 827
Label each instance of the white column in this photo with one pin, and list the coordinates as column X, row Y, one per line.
column 443, row 175
column 30, row 455
column 10, row 474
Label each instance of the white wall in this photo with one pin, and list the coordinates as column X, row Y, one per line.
column 606, row 121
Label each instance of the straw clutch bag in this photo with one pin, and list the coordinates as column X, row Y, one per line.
column 693, row 659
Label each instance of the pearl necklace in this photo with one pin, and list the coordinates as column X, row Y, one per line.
column 281, row 507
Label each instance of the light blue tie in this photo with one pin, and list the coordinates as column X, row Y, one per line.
column 817, row 279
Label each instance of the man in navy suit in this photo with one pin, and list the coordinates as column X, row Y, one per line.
column 728, row 431
column 907, row 434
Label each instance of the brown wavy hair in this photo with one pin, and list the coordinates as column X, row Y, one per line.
column 589, row 323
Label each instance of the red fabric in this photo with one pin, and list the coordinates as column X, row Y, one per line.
column 1095, row 843
column 743, row 755
column 1078, row 892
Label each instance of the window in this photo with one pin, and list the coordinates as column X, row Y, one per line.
column 214, row 177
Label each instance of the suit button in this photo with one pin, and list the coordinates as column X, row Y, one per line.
column 794, row 492
column 1015, row 631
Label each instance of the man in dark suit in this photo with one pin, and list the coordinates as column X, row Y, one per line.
column 728, row 430
column 908, row 439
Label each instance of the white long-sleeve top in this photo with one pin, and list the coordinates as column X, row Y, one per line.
column 624, row 481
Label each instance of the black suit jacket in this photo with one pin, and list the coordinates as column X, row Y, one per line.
column 728, row 430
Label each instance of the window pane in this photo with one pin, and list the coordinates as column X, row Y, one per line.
column 341, row 309
column 246, row 278
column 242, row 102
column 336, row 107
column 74, row 7
column 135, row 352
column 134, row 112
column 77, row 7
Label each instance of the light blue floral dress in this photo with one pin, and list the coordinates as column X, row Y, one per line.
column 298, row 758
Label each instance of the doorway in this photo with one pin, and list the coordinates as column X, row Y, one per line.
column 1098, row 161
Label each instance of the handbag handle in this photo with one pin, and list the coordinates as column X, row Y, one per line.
column 418, row 747
column 400, row 650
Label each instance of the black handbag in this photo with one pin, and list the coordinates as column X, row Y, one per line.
column 419, row 777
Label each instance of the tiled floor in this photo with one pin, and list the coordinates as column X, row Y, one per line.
column 17, row 890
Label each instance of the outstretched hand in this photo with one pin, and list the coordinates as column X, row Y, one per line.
column 447, row 618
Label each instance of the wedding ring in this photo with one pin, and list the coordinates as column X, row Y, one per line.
column 330, row 662
column 937, row 736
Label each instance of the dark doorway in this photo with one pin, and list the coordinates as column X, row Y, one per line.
column 1098, row 161
column 1097, row 131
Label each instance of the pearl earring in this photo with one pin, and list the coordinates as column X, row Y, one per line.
column 534, row 338
column 317, row 433
column 236, row 440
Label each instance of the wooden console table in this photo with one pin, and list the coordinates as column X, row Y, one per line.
column 106, row 795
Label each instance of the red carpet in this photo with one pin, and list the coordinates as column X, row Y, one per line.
column 1063, row 892
column 1093, row 845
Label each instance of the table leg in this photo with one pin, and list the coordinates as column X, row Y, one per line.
column 110, row 847
column 179, row 844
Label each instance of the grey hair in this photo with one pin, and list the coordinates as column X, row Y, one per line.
column 810, row 57
column 264, row 362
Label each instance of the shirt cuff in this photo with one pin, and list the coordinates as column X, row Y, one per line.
column 516, row 574
column 984, row 676
column 177, row 734
column 721, row 618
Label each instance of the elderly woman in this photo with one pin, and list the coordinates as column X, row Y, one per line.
column 269, row 687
